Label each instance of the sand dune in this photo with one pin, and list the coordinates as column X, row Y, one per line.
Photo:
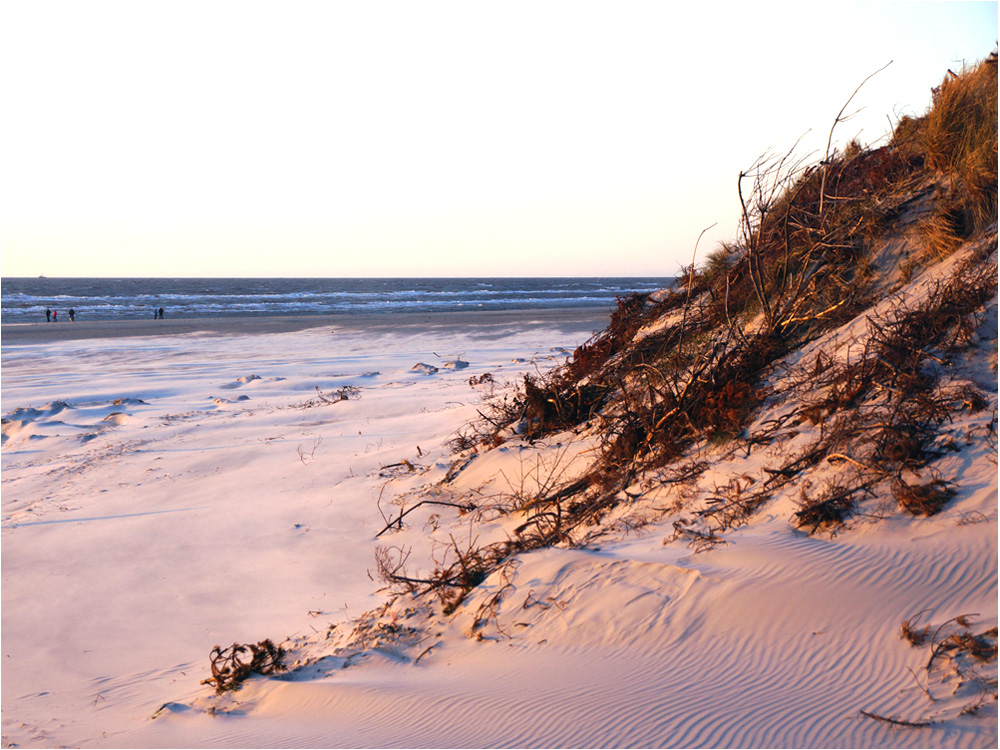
column 167, row 494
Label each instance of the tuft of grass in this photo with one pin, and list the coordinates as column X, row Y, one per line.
column 943, row 231
column 959, row 135
column 718, row 263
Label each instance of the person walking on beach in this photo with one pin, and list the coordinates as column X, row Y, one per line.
column 55, row 316
column 48, row 315
column 72, row 315
column 160, row 311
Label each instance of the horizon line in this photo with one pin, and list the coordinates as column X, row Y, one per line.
column 352, row 278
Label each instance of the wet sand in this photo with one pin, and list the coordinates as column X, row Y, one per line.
column 572, row 320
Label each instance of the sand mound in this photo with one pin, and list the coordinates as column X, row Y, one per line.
column 224, row 401
column 30, row 414
column 118, row 418
column 15, row 429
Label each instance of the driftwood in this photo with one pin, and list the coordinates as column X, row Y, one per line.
column 896, row 722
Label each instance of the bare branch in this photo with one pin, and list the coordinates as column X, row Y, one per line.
column 829, row 141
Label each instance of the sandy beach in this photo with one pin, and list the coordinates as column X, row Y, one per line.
column 173, row 485
column 571, row 321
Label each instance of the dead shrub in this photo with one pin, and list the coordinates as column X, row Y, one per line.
column 828, row 512
column 626, row 318
column 734, row 503
column 458, row 572
column 469, row 570
column 486, row 377
column 624, row 439
column 954, row 667
column 700, row 540
column 800, row 266
column 545, row 407
column 230, row 666
column 925, row 499
column 588, row 358
column 946, row 642
column 726, row 409
column 943, row 232
column 981, row 648
column 463, row 441
column 971, row 398
column 901, row 445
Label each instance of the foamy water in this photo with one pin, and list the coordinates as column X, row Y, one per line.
column 25, row 300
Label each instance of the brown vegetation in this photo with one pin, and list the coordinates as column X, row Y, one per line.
column 692, row 365
column 922, row 499
column 957, row 656
column 230, row 666
column 959, row 138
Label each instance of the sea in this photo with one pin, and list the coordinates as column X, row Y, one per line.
column 24, row 300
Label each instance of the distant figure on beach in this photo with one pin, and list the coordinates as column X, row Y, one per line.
column 55, row 316
column 156, row 314
column 160, row 311
column 72, row 315
column 48, row 315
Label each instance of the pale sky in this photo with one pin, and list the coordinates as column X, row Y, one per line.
column 428, row 138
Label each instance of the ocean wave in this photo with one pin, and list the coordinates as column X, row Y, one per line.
column 25, row 300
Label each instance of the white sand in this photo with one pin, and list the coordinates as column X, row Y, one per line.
column 138, row 536
column 576, row 320
column 211, row 506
